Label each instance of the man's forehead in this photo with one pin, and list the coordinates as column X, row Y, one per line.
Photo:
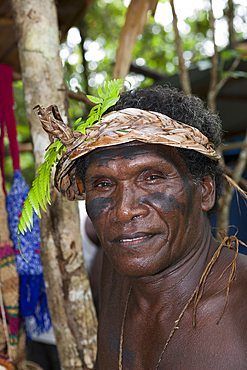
column 130, row 151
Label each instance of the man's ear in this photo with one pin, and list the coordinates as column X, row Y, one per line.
column 208, row 192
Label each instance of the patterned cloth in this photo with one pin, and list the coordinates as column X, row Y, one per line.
column 30, row 242
column 9, row 280
column 33, row 302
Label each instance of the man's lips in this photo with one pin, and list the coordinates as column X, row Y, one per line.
column 132, row 239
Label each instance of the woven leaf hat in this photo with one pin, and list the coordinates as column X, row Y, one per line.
column 116, row 128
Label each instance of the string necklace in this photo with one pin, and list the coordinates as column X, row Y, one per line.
column 197, row 294
column 120, row 361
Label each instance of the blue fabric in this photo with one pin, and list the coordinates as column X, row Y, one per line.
column 30, row 242
column 33, row 302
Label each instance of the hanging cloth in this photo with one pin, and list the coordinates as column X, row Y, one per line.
column 9, row 288
column 33, row 301
column 7, row 116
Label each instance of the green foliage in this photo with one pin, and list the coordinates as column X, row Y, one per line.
column 39, row 194
column 102, row 26
column 20, row 113
column 23, row 136
column 106, row 100
column 229, row 54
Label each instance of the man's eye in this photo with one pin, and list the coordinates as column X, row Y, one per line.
column 154, row 177
column 102, row 184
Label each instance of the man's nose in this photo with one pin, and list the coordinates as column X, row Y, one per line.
column 128, row 204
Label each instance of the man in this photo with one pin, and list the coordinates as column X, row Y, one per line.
column 151, row 182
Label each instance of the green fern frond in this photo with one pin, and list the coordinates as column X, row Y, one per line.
column 77, row 122
column 107, row 99
column 39, row 194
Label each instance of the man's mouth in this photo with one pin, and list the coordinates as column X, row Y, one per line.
column 126, row 240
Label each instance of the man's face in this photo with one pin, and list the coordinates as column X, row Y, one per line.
column 144, row 205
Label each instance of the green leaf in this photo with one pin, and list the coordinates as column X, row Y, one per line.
column 35, row 204
column 227, row 54
column 106, row 87
column 100, row 92
column 109, row 104
column 94, row 99
column 18, row 241
column 22, row 226
column 77, row 122
column 81, row 128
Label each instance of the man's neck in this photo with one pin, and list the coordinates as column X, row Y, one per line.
column 176, row 283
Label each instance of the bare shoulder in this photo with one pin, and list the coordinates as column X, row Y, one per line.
column 241, row 277
column 241, row 263
column 238, row 286
column 241, row 271
column 227, row 295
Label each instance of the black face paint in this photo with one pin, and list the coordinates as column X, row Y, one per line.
column 118, row 152
column 97, row 206
column 186, row 184
column 189, row 196
column 114, row 343
column 97, row 156
column 166, row 203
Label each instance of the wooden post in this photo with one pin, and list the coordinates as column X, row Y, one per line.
column 134, row 24
column 67, row 286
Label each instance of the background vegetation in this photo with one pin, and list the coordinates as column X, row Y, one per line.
column 89, row 52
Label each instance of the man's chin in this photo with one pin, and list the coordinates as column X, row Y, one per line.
column 136, row 267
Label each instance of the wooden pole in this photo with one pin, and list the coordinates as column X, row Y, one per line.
column 67, row 285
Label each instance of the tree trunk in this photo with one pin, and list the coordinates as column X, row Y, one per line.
column 134, row 24
column 230, row 22
column 212, row 94
column 67, row 286
column 183, row 72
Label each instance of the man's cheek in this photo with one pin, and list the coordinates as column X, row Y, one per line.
column 97, row 206
column 166, row 203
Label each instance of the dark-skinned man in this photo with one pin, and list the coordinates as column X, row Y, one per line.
column 172, row 297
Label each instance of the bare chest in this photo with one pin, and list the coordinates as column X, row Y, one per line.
column 151, row 344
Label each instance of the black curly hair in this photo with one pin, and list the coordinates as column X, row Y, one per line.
column 187, row 109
